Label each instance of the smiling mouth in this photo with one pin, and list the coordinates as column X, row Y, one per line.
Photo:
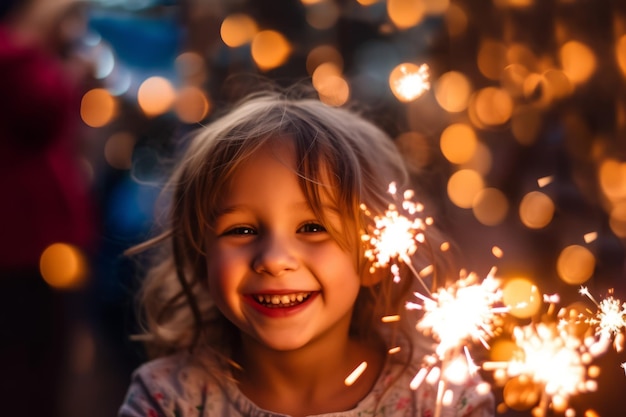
column 281, row 300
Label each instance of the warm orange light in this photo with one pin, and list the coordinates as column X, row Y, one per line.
column 238, row 29
column 118, row 150
column 192, row 104
column 63, row 266
column 452, row 91
column 270, row 49
column 324, row 54
column 333, row 90
column 155, row 96
column 522, row 297
column 405, row 13
column 458, row 143
column 575, row 264
column 98, row 107
column 493, row 106
column 612, row 179
column 191, row 67
column 463, row 186
column 578, row 61
column 322, row 15
column 536, row 210
column 456, row 20
column 490, row 206
column 409, row 81
column 492, row 58
column 620, row 53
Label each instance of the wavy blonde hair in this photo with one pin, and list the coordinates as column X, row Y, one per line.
column 362, row 161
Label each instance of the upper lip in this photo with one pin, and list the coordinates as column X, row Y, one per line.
column 279, row 292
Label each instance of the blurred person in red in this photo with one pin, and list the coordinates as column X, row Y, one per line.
column 45, row 198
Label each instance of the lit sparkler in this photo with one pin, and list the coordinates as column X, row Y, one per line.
column 455, row 316
column 461, row 313
column 610, row 319
column 554, row 361
column 409, row 81
column 396, row 235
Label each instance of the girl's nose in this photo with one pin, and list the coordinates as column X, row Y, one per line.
column 274, row 257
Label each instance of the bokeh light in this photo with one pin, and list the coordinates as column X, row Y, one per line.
column 536, row 210
column 575, row 264
column 409, row 81
column 270, row 49
column 324, row 54
column 578, row 61
column 63, row 266
column 191, row 68
column 522, row 297
column 238, row 29
column 406, row 13
column 458, row 143
column 118, row 150
column 155, row 96
column 456, row 20
column 322, row 15
column 192, row 104
column 490, row 206
column 492, row 58
column 463, row 186
column 617, row 219
column 620, row 53
column 98, row 108
column 492, row 106
column 452, row 91
column 612, row 179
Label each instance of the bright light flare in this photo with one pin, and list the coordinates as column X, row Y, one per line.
column 463, row 312
column 610, row 318
column 396, row 235
column 354, row 375
column 409, row 81
column 554, row 360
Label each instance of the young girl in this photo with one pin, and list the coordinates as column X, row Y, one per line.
column 263, row 301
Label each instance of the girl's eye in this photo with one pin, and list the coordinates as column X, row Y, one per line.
column 240, row 231
column 312, row 228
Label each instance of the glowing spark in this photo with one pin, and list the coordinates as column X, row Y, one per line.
column 390, row 319
column 408, row 81
column 542, row 182
column 354, row 375
column 394, row 350
column 395, row 237
column 623, row 366
column 551, row 358
column 461, row 313
column 497, row 252
column 610, row 318
column 590, row 237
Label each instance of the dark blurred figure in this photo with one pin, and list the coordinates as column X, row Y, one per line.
column 44, row 199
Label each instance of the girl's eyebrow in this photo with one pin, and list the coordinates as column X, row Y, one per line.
column 301, row 205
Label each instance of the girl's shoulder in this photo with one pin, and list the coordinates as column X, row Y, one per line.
column 179, row 384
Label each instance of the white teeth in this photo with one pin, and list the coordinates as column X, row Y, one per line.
column 281, row 300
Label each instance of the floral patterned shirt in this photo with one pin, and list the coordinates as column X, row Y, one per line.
column 180, row 386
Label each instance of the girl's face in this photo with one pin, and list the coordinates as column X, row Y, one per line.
column 274, row 270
